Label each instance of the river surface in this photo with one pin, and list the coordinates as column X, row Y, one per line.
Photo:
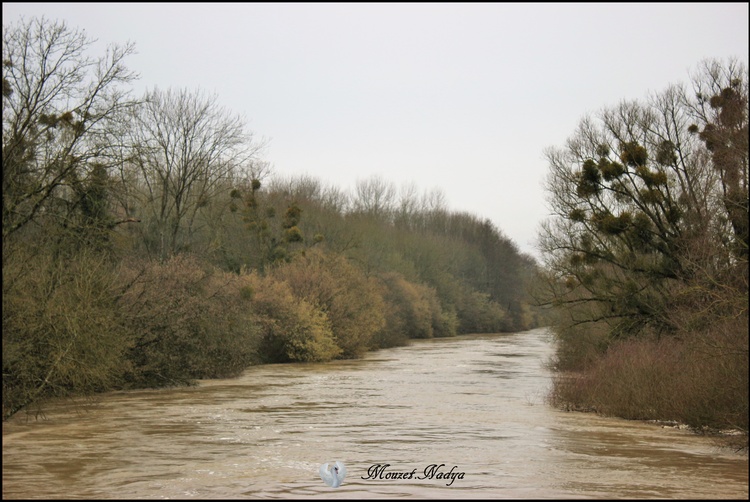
column 474, row 403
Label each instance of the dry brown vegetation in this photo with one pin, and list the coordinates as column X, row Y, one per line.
column 145, row 243
column 647, row 256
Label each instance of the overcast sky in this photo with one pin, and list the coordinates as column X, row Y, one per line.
column 460, row 97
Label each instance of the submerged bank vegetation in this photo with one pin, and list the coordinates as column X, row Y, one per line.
column 146, row 243
column 646, row 255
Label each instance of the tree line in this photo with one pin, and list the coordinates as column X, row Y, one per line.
column 646, row 254
column 147, row 243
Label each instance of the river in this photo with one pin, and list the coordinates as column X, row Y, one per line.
column 474, row 403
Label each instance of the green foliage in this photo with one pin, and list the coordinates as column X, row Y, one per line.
column 652, row 178
column 651, row 196
column 640, row 220
column 589, row 179
column 477, row 313
column 60, row 109
column 444, row 321
column 610, row 224
column 292, row 216
column 293, row 234
column 611, row 170
column 602, row 150
column 577, row 215
column 665, row 154
column 632, row 154
column 274, row 239
column 725, row 136
column 642, row 233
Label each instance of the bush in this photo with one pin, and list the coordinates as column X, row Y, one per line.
column 350, row 300
column 188, row 322
column 61, row 332
column 579, row 347
column 477, row 313
column 408, row 311
column 699, row 381
column 444, row 321
column 292, row 329
column 412, row 311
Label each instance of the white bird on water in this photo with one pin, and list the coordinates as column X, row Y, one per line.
column 335, row 476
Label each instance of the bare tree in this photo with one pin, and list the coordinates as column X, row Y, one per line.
column 375, row 196
column 186, row 150
column 60, row 108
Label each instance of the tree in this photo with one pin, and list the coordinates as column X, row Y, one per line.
column 273, row 221
column 186, row 149
column 375, row 197
column 61, row 112
column 641, row 204
column 721, row 106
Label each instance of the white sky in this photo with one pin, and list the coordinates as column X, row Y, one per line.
column 461, row 97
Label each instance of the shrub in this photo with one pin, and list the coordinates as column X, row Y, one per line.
column 579, row 347
column 408, row 311
column 292, row 329
column 700, row 381
column 350, row 300
column 61, row 332
column 477, row 313
column 188, row 322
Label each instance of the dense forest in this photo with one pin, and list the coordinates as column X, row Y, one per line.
column 646, row 255
column 146, row 242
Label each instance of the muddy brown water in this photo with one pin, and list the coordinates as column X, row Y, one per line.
column 462, row 417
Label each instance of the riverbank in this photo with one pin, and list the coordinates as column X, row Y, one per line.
column 265, row 434
column 605, row 389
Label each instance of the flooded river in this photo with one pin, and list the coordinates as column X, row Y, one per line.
column 463, row 417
